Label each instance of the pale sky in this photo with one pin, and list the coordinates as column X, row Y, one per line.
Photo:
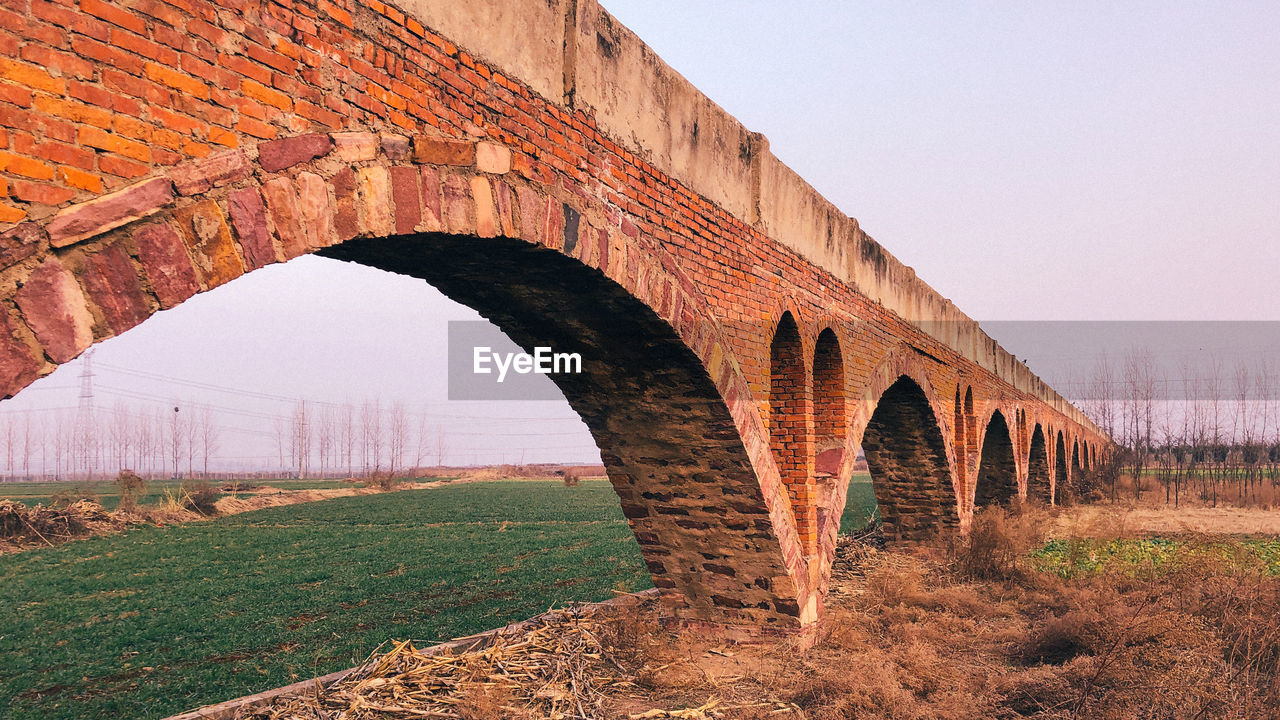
column 1032, row 161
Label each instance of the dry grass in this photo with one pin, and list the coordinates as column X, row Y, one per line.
column 962, row 629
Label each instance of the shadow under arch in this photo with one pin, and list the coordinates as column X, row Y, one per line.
column 830, row 425
column 666, row 435
column 997, row 477
column 1038, row 467
column 1060, row 476
column 907, row 456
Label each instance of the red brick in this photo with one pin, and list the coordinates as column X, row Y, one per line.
column 41, row 193
column 129, row 169
column 24, row 166
column 80, row 179
column 114, row 15
column 177, row 80
column 31, row 76
column 98, row 138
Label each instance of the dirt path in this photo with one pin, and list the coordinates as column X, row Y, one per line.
column 275, row 497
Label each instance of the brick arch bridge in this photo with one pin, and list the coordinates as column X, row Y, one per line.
column 743, row 337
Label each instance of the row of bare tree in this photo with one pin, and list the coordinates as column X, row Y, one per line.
column 1204, row 429
column 185, row 439
column 372, row 438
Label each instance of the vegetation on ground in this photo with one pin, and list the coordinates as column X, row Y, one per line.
column 157, row 620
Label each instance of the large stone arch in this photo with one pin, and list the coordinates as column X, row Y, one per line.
column 1038, row 480
column 997, row 475
column 683, row 444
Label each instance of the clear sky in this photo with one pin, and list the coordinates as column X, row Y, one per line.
column 1032, row 161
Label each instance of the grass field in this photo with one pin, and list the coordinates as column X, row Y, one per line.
column 859, row 505
column 160, row 620
column 31, row 493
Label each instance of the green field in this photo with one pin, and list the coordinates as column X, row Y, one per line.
column 159, row 620
column 859, row 505
column 1076, row 556
column 32, row 493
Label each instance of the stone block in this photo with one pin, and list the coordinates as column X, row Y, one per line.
column 111, row 283
column 206, row 234
column 373, row 185
column 406, row 190
column 54, row 307
column 249, row 218
column 165, row 263
column 88, row 219
column 355, row 146
column 395, row 147
column 493, row 158
column 19, row 243
column 202, row 175
column 277, row 155
column 443, row 151
column 19, row 363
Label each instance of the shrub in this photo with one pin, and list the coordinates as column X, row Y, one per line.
column 131, row 487
column 200, row 496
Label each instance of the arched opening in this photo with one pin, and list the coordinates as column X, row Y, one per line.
column 791, row 426
column 666, row 437
column 1076, row 468
column 1038, row 467
column 829, row 424
column 997, row 471
column 958, row 440
column 1060, row 476
column 907, row 458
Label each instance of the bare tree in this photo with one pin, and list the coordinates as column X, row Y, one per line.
column 300, row 437
column 207, row 432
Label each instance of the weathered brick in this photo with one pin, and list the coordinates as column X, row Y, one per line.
column 80, row 179
column 95, row 217
column 346, row 223
column 249, row 218
column 442, row 151
column 486, row 209
column 493, row 158
column 41, row 193
column 355, row 146
column 432, row 217
column 405, row 189
column 111, row 284
column 458, row 209
column 281, row 195
column 198, row 176
column 19, row 363
column 395, row 147
column 165, row 264
column 53, row 306
column 373, row 186
column 177, row 80
column 103, row 140
column 315, row 211
column 205, row 232
column 19, row 243
column 277, row 155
